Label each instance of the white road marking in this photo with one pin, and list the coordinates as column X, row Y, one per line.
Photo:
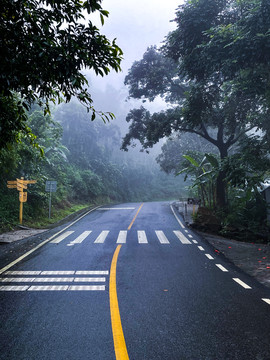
column 61, row 279
column 240, row 282
column 182, row 237
column 209, row 256
column 14, row 288
column 201, row 248
column 142, row 239
column 48, row 288
column 22, row 272
column 186, row 231
column 43, row 243
column 122, row 237
column 101, row 238
column 89, row 279
column 123, row 208
column 190, row 236
column 16, row 279
column 179, row 222
column 162, row 237
column 92, row 272
column 80, row 238
column 267, row 301
column 69, row 272
column 195, row 241
column 61, row 237
column 87, row 287
column 221, row 267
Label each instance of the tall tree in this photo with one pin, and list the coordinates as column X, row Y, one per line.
column 44, row 46
column 214, row 101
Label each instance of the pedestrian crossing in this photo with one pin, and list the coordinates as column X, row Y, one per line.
column 124, row 237
column 70, row 280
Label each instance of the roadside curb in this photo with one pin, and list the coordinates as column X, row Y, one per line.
column 10, row 252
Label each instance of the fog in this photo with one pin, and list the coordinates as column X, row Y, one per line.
column 136, row 26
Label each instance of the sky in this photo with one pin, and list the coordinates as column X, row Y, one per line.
column 136, row 24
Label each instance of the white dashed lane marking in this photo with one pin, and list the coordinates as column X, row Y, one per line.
column 222, row 268
column 240, row 282
column 267, row 301
column 209, row 256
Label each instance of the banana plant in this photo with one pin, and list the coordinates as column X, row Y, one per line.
column 204, row 174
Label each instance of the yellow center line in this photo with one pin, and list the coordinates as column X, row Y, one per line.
column 135, row 217
column 120, row 347
column 118, row 335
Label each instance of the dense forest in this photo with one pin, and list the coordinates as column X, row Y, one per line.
column 86, row 161
column 211, row 141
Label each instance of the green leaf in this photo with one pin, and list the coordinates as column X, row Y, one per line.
column 191, row 160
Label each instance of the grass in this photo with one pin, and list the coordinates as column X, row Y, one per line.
column 57, row 214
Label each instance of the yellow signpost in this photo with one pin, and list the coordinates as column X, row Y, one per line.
column 20, row 185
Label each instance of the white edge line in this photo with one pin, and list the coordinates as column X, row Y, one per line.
column 267, row 301
column 209, row 256
column 179, row 222
column 43, row 243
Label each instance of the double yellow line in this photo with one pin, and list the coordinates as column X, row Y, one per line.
column 120, row 347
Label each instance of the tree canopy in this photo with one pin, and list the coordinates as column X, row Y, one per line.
column 44, row 47
column 218, row 101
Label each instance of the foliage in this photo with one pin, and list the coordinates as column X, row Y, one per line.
column 176, row 146
column 44, row 46
column 204, row 169
column 86, row 162
column 217, row 105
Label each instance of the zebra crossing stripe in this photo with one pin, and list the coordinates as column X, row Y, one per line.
column 80, row 238
column 182, row 237
column 142, row 239
column 14, row 288
column 122, row 237
column 62, row 237
column 101, row 238
column 162, row 237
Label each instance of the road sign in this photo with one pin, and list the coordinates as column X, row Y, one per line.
column 21, row 185
column 12, row 186
column 23, row 196
column 51, row 186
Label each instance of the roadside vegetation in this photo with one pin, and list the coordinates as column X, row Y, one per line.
column 213, row 71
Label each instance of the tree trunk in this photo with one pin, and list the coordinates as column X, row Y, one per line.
column 220, row 182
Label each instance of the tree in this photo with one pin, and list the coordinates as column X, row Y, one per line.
column 214, row 107
column 44, row 46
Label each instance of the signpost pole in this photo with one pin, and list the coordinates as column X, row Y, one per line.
column 21, row 211
column 50, row 187
column 50, row 203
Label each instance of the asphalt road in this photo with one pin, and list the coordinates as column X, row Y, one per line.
column 176, row 298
